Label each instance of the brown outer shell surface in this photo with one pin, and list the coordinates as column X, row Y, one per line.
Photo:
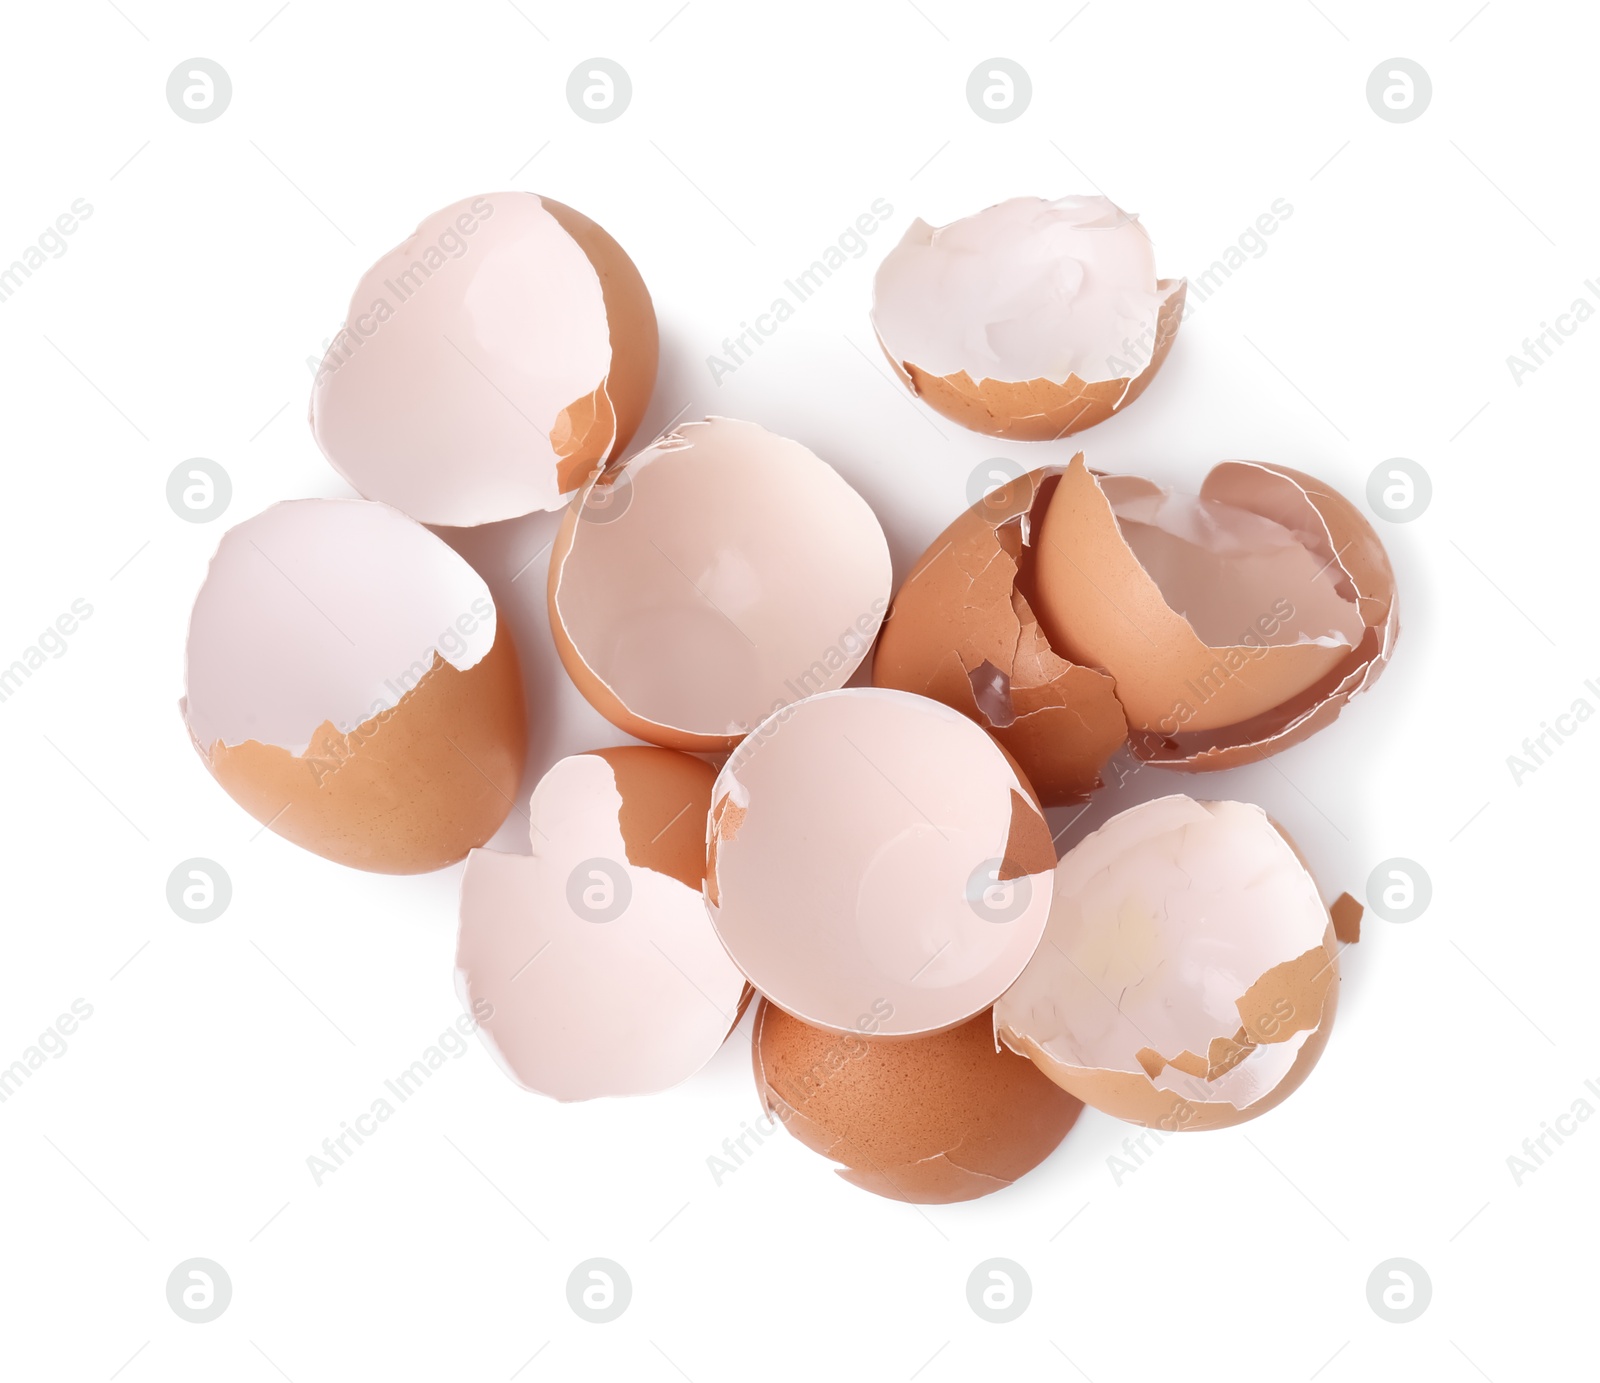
column 656, row 786
column 600, row 427
column 962, row 614
column 1043, row 410
column 408, row 791
column 928, row 1120
column 1330, row 523
column 1268, row 698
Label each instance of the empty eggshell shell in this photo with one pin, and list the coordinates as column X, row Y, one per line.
column 1189, row 972
column 489, row 364
column 712, row 577
column 1235, row 623
column 875, row 858
column 593, row 956
column 925, row 1119
column 1029, row 320
column 349, row 684
column 962, row 631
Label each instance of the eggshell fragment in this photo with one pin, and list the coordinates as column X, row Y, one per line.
column 876, row 858
column 1189, row 972
column 489, row 364
column 594, row 954
column 1030, row 320
column 962, row 631
column 712, row 577
column 1235, row 623
column 925, row 1119
column 348, row 683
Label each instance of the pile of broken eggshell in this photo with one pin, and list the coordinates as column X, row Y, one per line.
column 937, row 992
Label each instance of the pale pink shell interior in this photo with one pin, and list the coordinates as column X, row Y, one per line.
column 1161, row 921
column 582, row 1007
column 1027, row 289
column 844, row 890
column 320, row 610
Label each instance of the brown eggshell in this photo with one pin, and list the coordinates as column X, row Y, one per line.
column 590, row 960
column 719, row 572
column 489, row 363
column 1182, row 696
column 349, row 684
column 620, row 403
column 1044, row 410
column 404, row 793
column 1329, row 524
column 874, row 852
column 928, row 1120
column 1188, row 976
column 962, row 623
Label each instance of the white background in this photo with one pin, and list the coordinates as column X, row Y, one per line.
column 179, row 323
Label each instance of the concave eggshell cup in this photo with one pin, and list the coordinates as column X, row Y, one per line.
column 1030, row 320
column 349, row 684
column 592, row 959
column 877, row 862
column 719, row 573
column 1189, row 973
column 489, row 364
column 1235, row 623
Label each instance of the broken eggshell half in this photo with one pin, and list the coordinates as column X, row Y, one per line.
column 923, row 1119
column 719, row 573
column 350, row 685
column 592, row 958
column 1235, row 623
column 876, row 859
column 489, row 363
column 1189, row 972
column 962, row 630
column 1029, row 320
